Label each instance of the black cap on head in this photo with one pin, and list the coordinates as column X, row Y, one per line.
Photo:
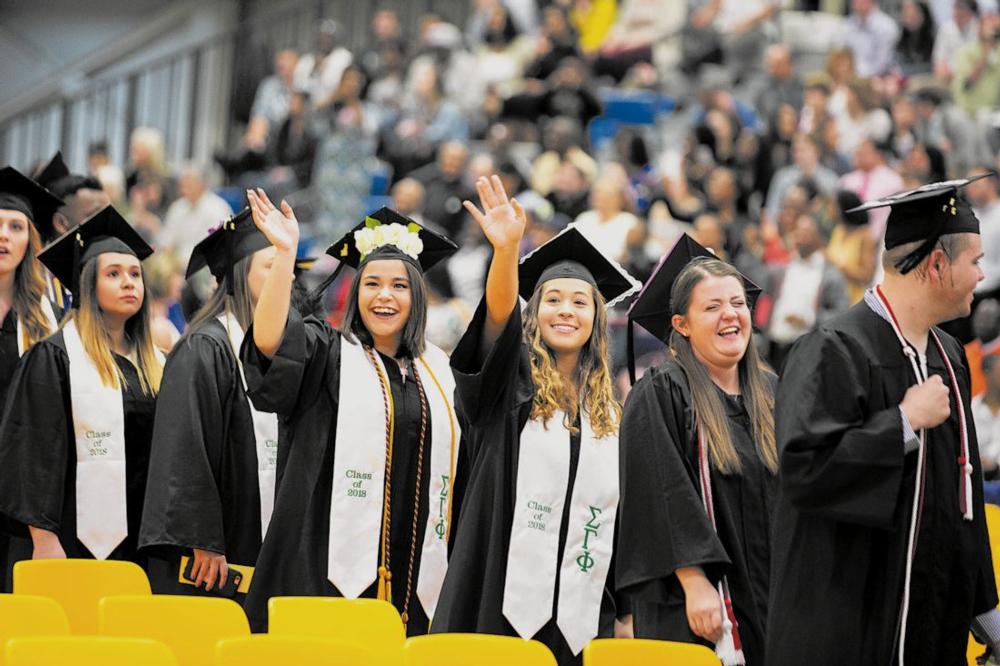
column 925, row 214
column 18, row 192
column 105, row 231
column 52, row 172
column 569, row 254
column 385, row 234
column 236, row 238
column 652, row 309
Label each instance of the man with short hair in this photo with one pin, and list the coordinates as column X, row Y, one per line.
column 872, row 179
column 872, row 35
column 193, row 214
column 880, row 541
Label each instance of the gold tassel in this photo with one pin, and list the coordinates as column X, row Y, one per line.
column 384, row 585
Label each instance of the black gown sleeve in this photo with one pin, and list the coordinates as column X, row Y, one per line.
column 485, row 389
column 837, row 461
column 183, row 505
column 662, row 522
column 33, row 439
column 291, row 381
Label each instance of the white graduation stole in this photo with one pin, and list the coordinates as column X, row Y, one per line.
column 356, row 501
column 22, row 335
column 265, row 431
column 542, row 475
column 99, row 431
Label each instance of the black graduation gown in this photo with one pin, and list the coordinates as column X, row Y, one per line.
column 843, row 511
column 301, row 383
column 8, row 362
column 664, row 525
column 203, row 490
column 493, row 401
column 38, row 452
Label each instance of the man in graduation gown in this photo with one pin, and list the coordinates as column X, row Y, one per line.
column 880, row 551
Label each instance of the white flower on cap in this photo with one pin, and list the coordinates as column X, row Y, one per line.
column 371, row 238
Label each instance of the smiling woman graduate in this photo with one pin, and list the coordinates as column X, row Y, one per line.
column 533, row 554
column 78, row 421
column 698, row 464
column 371, row 442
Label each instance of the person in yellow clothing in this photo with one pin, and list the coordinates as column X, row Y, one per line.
column 592, row 20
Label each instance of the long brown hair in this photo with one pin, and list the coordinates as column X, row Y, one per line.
column 593, row 373
column 29, row 290
column 97, row 342
column 239, row 302
column 754, row 383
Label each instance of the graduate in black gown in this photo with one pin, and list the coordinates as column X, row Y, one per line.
column 533, row 553
column 881, row 554
column 370, row 441
column 698, row 464
column 213, row 461
column 75, row 432
column 26, row 315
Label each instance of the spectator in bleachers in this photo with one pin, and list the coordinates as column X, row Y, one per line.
column 852, row 248
column 592, row 20
column 570, row 190
column 644, row 31
column 743, row 27
column 984, row 197
column 145, row 201
column 561, row 139
column 781, row 85
column 163, row 276
column 607, row 224
column 861, row 118
column 871, row 35
column 923, row 164
column 292, row 152
column 346, row 159
column 872, row 179
column 842, row 70
column 807, row 291
column 976, row 82
column 914, row 51
column 904, row 125
column 986, row 414
column 386, row 38
column 566, row 93
column 556, row 41
column 147, row 154
column 633, row 155
column 774, row 150
column 961, row 28
column 270, row 103
column 193, row 214
column 82, row 197
column 318, row 73
column 948, row 128
column 722, row 195
column 805, row 165
column 408, row 199
column 445, row 188
column 708, row 231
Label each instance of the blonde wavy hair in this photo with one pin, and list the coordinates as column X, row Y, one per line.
column 593, row 374
column 29, row 290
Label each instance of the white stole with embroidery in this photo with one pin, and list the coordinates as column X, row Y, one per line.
column 99, row 432
column 265, row 430
column 356, row 501
column 542, row 476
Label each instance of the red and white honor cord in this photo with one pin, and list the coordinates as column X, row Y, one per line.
column 729, row 624
column 965, row 467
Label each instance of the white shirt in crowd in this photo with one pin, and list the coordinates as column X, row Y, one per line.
column 799, row 296
column 989, row 227
column 987, row 429
column 186, row 223
column 611, row 235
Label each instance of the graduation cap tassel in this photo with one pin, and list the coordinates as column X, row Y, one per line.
column 912, row 260
column 75, row 285
column 229, row 227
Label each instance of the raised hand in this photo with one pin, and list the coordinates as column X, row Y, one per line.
column 502, row 220
column 279, row 226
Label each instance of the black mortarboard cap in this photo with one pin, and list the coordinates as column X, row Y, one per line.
column 569, row 254
column 236, row 238
column 435, row 246
column 18, row 192
column 925, row 214
column 652, row 309
column 104, row 231
column 53, row 172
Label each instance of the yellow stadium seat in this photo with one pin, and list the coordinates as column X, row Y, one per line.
column 640, row 652
column 265, row 650
column 370, row 622
column 30, row 615
column 190, row 626
column 78, row 585
column 993, row 528
column 87, row 651
column 478, row 649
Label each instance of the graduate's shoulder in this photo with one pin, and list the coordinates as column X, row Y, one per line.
column 856, row 330
column 209, row 339
column 667, row 377
column 951, row 345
